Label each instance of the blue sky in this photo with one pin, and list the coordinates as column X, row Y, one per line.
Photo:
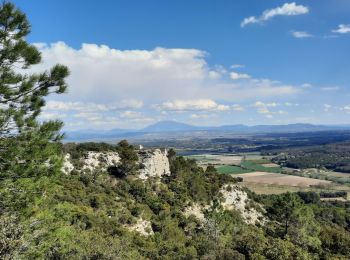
column 134, row 63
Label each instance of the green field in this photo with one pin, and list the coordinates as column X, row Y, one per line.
column 245, row 167
column 252, row 166
column 232, row 169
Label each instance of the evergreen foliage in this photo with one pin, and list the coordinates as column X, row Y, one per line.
column 26, row 147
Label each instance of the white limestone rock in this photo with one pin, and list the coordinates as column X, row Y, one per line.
column 153, row 164
column 67, row 167
column 235, row 198
column 103, row 160
column 195, row 210
column 143, row 227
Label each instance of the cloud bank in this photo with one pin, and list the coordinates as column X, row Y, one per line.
column 119, row 88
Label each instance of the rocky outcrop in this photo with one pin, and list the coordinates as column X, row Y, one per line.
column 143, row 227
column 233, row 197
column 103, row 160
column 67, row 167
column 195, row 210
column 153, row 163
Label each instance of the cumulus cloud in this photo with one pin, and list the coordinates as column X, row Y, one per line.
column 90, row 106
column 130, row 114
column 265, row 108
column 301, row 34
column 237, row 107
column 199, row 116
column 192, row 105
column 346, row 109
column 287, row 9
column 106, row 84
column 330, row 88
column 103, row 75
column 306, row 85
column 237, row 66
column 342, row 29
column 262, row 108
column 289, row 104
column 326, row 107
column 236, row 76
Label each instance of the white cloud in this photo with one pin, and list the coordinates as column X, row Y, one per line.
column 327, row 107
column 306, row 85
column 237, row 107
column 289, row 104
column 192, row 105
column 236, row 76
column 264, row 108
column 89, row 106
column 102, row 75
column 51, row 115
column 301, row 34
column 237, row 66
column 106, row 82
column 130, row 114
column 330, row 89
column 199, row 116
column 346, row 108
column 287, row 9
column 342, row 29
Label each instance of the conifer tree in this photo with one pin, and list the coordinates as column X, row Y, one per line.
column 27, row 147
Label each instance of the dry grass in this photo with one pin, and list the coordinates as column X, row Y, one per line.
column 270, row 165
column 280, row 179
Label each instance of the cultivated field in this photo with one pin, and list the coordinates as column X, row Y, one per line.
column 280, row 179
column 217, row 159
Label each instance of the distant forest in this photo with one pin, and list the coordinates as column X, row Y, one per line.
column 331, row 156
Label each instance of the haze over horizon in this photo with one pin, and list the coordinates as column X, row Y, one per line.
column 218, row 63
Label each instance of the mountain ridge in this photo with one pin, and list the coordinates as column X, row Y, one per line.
column 174, row 128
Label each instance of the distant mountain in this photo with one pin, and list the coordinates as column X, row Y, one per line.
column 166, row 129
column 169, row 126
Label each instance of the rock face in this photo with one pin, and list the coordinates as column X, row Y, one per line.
column 67, row 167
column 93, row 160
column 235, row 198
column 153, row 163
column 195, row 210
column 143, row 227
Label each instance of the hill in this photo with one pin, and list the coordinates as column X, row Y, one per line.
column 184, row 212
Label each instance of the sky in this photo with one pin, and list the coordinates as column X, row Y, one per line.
column 135, row 62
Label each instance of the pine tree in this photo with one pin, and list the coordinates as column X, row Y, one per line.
column 27, row 147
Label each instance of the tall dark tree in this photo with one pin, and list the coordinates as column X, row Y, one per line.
column 27, row 147
column 128, row 160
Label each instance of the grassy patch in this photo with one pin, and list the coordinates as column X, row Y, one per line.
column 250, row 165
column 231, row 169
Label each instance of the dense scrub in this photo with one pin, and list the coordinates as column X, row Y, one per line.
column 88, row 216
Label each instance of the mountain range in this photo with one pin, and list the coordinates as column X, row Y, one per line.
column 175, row 129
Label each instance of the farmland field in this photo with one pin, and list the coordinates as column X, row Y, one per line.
column 217, row 159
column 259, row 167
column 281, row 179
column 232, row 169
